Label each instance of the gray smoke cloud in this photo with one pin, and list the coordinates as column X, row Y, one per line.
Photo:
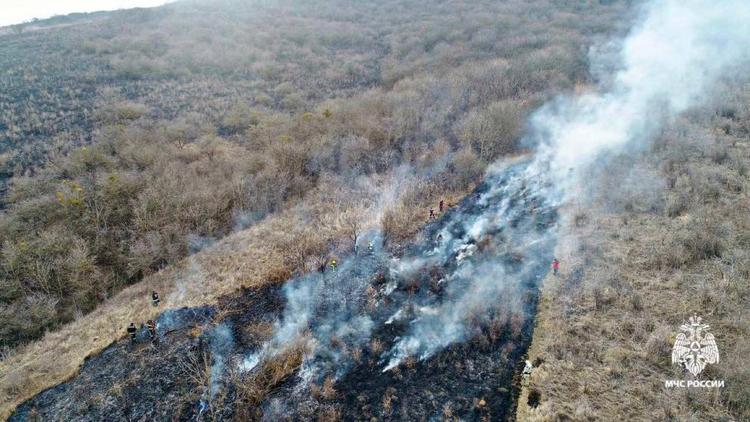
column 221, row 342
column 328, row 311
column 493, row 250
column 487, row 249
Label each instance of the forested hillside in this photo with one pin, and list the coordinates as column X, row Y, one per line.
column 131, row 139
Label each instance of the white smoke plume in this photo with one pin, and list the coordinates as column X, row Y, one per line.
column 669, row 62
column 510, row 217
column 327, row 311
column 191, row 282
column 221, row 342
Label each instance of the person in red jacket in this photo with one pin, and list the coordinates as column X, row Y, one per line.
column 555, row 266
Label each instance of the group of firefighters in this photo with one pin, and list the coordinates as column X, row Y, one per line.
column 332, row 264
column 441, row 207
column 150, row 324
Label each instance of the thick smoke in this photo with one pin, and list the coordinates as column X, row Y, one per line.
column 668, row 63
column 221, row 342
column 488, row 252
column 328, row 311
column 192, row 282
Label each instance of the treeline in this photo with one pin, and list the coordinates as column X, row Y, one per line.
column 173, row 164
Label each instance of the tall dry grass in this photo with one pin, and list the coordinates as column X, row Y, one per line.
column 631, row 275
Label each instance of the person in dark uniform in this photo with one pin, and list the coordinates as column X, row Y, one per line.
column 132, row 331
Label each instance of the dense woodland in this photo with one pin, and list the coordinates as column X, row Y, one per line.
column 131, row 139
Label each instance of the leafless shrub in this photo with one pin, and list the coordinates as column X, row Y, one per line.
column 704, row 243
column 197, row 368
column 376, row 347
column 636, row 302
column 492, row 132
column 258, row 332
column 677, row 204
column 604, row 297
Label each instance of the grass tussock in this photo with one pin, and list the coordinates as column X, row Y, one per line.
column 253, row 389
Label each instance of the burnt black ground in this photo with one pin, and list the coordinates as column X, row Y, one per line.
column 149, row 382
column 453, row 382
column 472, row 379
column 476, row 379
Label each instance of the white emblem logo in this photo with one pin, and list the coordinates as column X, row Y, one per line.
column 695, row 347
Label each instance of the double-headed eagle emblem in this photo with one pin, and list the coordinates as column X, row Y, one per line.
column 695, row 346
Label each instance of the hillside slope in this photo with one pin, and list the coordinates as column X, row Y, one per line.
column 218, row 362
column 269, row 252
column 664, row 238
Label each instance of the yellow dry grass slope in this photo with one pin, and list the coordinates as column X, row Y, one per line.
column 606, row 325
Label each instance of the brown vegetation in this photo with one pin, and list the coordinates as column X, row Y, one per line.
column 639, row 268
column 272, row 371
column 251, row 257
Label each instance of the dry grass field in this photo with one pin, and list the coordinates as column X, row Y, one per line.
column 631, row 275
